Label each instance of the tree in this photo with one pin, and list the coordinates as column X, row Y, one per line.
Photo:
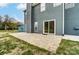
column 5, row 23
column 13, row 24
column 0, row 19
column 8, row 23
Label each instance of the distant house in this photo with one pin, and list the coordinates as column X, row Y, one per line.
column 21, row 28
column 55, row 18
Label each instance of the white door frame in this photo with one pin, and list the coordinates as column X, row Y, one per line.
column 48, row 29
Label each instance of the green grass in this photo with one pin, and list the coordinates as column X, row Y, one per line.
column 68, row 47
column 12, row 45
column 9, row 31
column 15, row 46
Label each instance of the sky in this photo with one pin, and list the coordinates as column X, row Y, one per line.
column 14, row 10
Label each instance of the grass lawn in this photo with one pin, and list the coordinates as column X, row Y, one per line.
column 13, row 46
column 9, row 31
column 68, row 47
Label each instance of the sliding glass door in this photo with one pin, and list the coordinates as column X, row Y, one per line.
column 49, row 27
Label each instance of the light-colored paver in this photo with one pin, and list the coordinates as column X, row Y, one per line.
column 49, row 42
column 71, row 37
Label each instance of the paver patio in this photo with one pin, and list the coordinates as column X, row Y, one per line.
column 49, row 42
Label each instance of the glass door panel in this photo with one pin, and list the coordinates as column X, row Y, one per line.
column 51, row 26
column 46, row 27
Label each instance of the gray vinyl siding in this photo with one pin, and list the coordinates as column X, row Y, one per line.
column 49, row 14
column 72, row 20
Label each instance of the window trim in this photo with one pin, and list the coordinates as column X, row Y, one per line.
column 43, row 7
column 69, row 5
column 56, row 4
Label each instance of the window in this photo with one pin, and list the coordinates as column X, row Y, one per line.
column 42, row 7
column 69, row 5
column 35, row 26
column 56, row 4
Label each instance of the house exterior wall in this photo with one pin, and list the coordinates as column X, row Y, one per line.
column 72, row 20
column 35, row 15
column 49, row 14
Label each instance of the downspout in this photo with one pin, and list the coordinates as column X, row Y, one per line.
column 63, row 19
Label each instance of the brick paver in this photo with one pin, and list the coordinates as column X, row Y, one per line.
column 49, row 42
